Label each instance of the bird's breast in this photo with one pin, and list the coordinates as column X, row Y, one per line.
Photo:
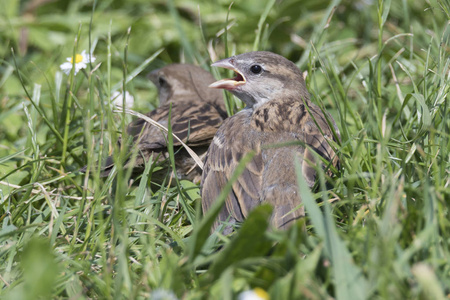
column 284, row 115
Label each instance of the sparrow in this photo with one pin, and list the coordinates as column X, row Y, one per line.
column 196, row 113
column 279, row 124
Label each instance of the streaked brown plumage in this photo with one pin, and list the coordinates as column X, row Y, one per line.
column 196, row 113
column 277, row 99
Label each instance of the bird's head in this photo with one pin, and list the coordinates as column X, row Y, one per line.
column 184, row 82
column 261, row 76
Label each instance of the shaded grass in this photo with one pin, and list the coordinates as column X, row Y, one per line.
column 381, row 70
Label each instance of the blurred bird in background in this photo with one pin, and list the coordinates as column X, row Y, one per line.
column 196, row 113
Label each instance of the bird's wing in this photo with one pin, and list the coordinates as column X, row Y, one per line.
column 195, row 123
column 318, row 136
column 231, row 143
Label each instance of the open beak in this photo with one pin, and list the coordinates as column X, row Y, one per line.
column 230, row 83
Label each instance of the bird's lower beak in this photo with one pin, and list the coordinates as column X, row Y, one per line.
column 230, row 83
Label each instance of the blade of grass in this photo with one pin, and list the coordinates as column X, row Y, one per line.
column 261, row 21
column 41, row 112
column 184, row 41
column 137, row 70
column 68, row 106
column 250, row 241
column 348, row 278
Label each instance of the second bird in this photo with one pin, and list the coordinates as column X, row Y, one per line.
column 196, row 113
column 279, row 124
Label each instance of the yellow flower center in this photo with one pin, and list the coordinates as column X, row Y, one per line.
column 261, row 293
column 78, row 59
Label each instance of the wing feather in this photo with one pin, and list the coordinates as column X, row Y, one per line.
column 195, row 123
column 224, row 155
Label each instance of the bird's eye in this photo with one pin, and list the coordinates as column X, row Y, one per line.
column 256, row 69
column 162, row 81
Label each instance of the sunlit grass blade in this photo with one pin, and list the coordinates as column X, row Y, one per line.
column 348, row 278
column 262, row 19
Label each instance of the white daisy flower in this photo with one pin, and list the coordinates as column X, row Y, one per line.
column 81, row 61
column 160, row 294
column 255, row 294
column 117, row 99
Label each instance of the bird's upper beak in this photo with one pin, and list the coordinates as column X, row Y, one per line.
column 230, row 83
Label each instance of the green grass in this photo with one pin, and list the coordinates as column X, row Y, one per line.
column 382, row 69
